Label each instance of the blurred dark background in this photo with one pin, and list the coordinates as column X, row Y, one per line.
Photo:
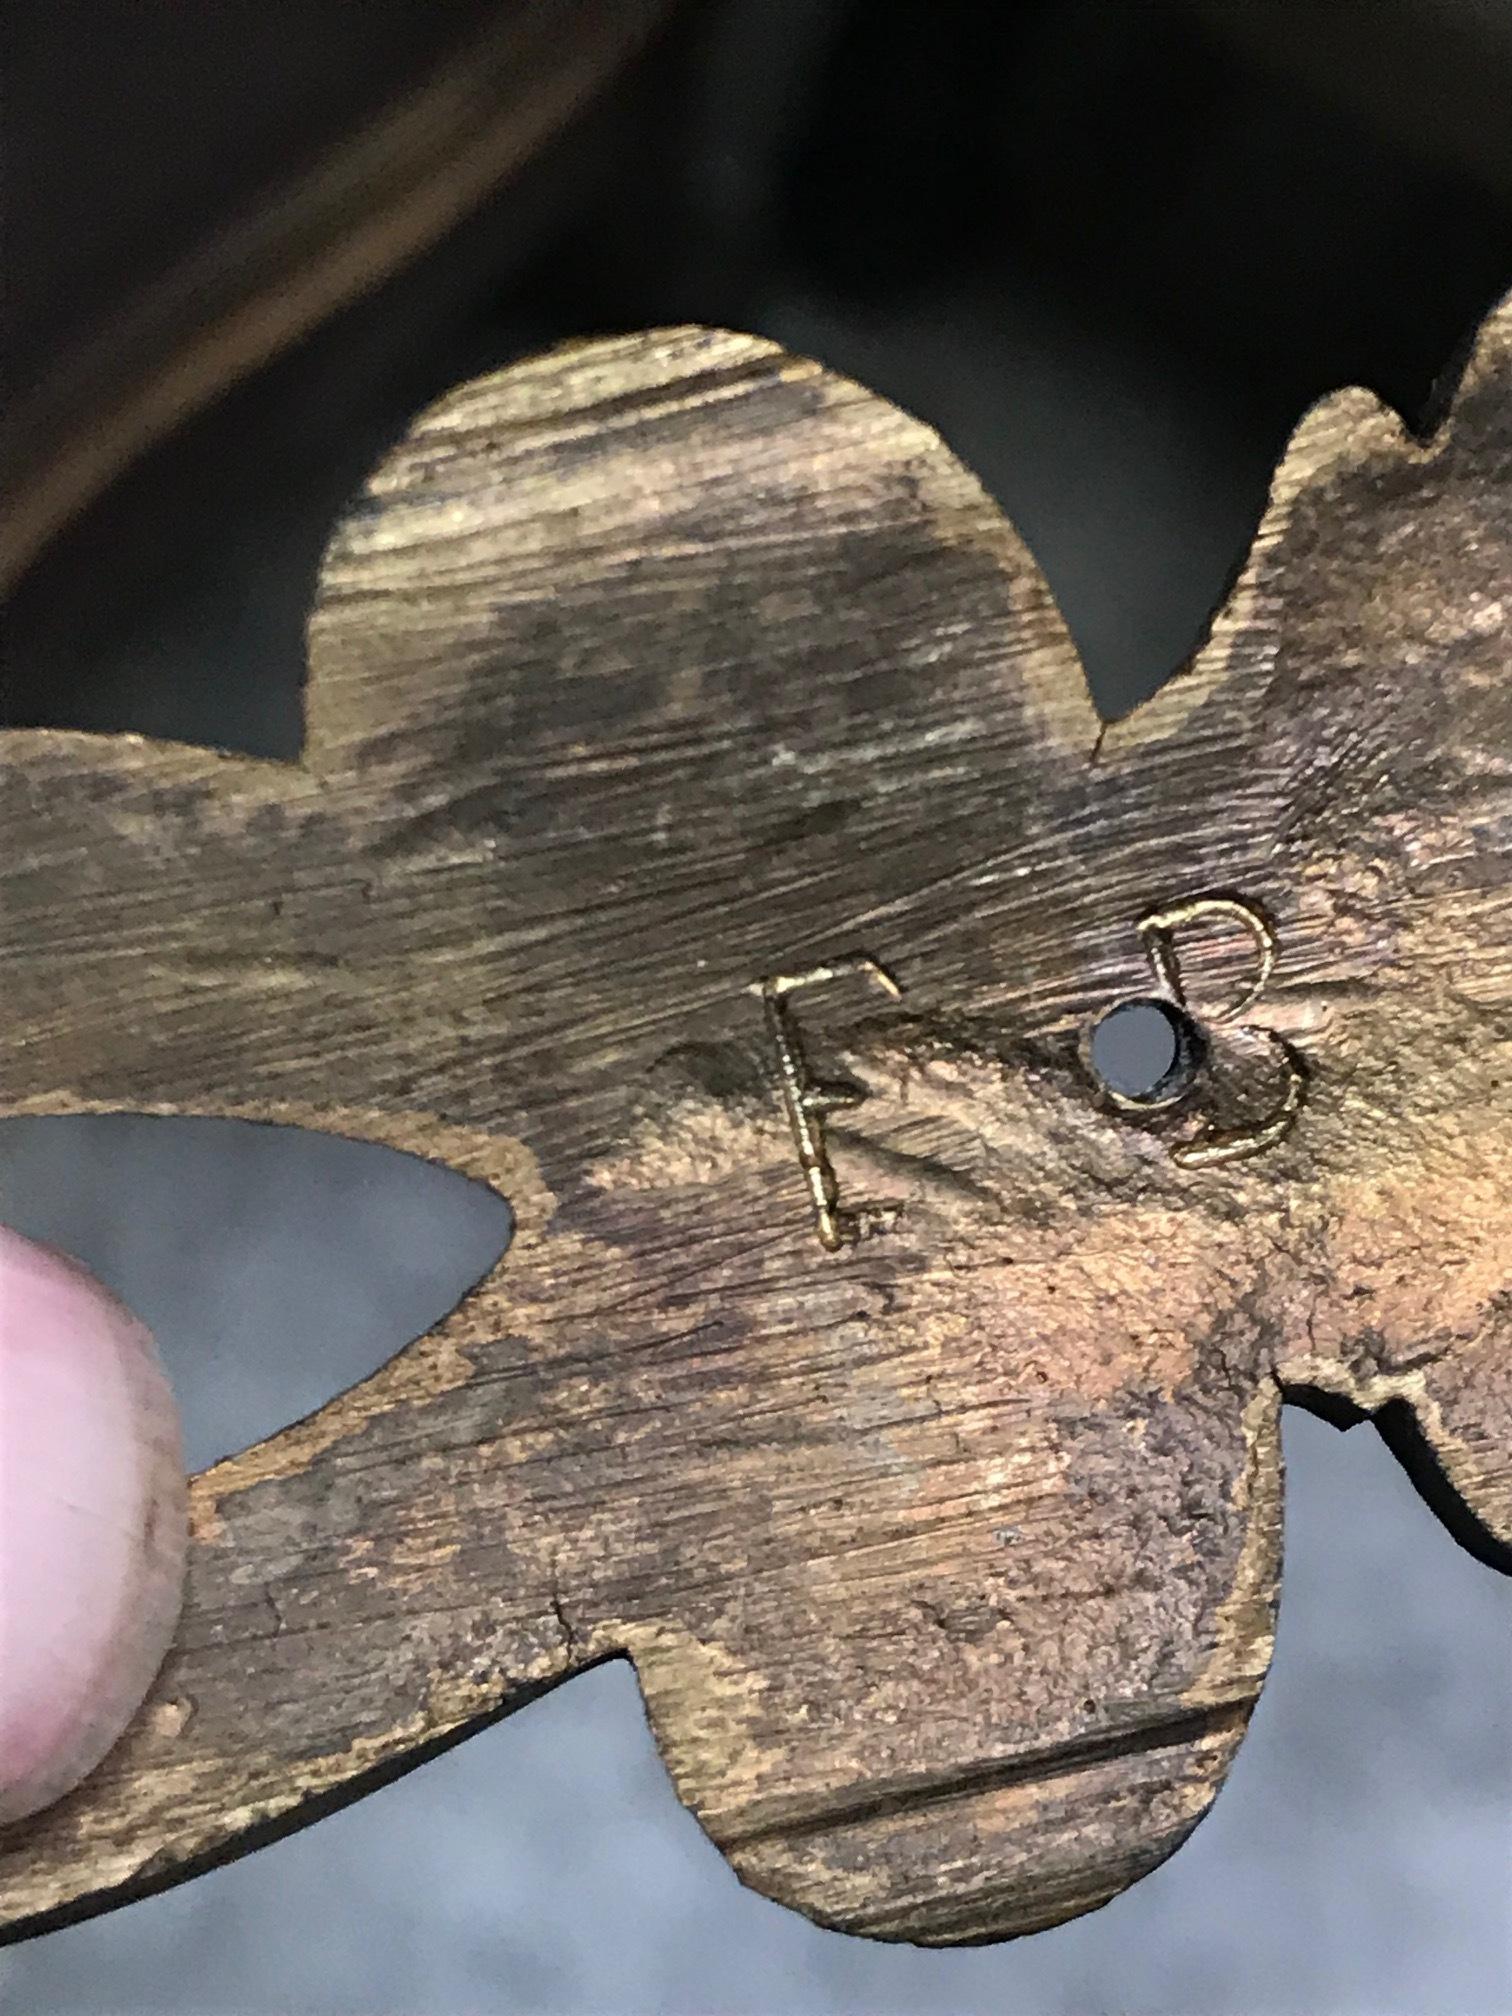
column 1112, row 249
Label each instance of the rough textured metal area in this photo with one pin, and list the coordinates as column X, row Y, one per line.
column 648, row 680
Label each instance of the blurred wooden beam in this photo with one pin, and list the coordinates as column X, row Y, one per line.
column 367, row 203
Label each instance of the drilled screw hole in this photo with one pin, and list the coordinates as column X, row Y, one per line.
column 1146, row 1053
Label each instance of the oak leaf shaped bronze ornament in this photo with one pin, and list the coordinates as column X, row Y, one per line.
column 704, row 835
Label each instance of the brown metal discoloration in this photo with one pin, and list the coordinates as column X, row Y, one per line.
column 948, row 1559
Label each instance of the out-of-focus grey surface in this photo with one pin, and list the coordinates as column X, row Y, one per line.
column 1360, row 1859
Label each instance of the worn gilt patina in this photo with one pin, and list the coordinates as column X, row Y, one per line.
column 704, row 835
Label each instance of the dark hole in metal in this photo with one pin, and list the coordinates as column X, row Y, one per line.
column 1146, row 1052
